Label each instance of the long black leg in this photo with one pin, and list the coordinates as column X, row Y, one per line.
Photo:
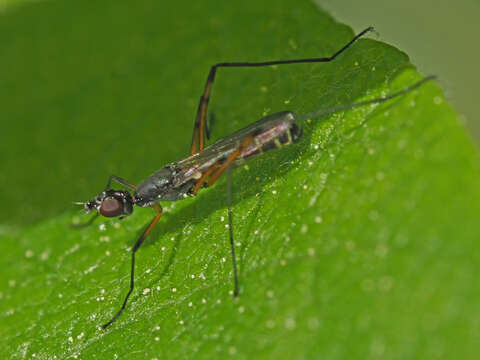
column 209, row 125
column 120, row 181
column 137, row 245
column 230, row 229
column 379, row 100
column 199, row 129
column 215, row 172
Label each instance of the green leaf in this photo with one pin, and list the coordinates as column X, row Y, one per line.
column 358, row 242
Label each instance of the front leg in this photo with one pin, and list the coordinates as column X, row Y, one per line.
column 137, row 245
column 120, row 181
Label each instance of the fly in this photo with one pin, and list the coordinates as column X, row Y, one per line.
column 204, row 166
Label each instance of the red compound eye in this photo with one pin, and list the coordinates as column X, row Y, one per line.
column 111, row 207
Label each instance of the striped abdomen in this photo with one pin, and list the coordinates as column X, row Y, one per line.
column 273, row 132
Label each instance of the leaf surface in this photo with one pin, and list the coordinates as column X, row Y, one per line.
column 358, row 242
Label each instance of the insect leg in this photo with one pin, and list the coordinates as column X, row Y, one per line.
column 86, row 223
column 199, row 132
column 209, row 125
column 204, row 177
column 137, row 245
column 221, row 169
column 379, row 100
column 215, row 170
column 120, row 181
column 230, row 230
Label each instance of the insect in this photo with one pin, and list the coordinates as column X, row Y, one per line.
column 204, row 166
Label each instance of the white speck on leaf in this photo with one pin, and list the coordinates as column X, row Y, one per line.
column 304, row 229
column 90, row 269
column 290, row 323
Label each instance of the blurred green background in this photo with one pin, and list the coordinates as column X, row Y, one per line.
column 439, row 40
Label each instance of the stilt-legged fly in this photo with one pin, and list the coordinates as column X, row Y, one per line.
column 205, row 165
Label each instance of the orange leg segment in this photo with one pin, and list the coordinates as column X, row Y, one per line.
column 230, row 159
column 216, row 170
column 204, row 177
